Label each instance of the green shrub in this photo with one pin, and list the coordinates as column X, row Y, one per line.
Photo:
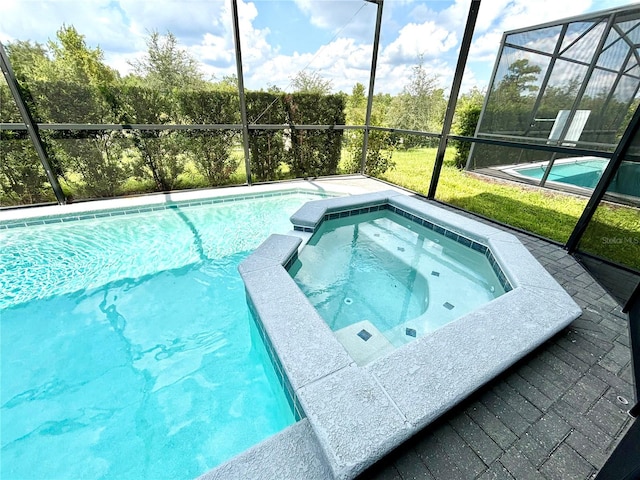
column 266, row 147
column 466, row 120
column 314, row 152
column 210, row 150
column 158, row 150
column 380, row 148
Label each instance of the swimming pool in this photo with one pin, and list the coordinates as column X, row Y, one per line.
column 381, row 280
column 127, row 348
column 584, row 172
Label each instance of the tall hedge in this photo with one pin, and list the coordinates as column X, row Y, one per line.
column 210, row 150
column 159, row 149
column 266, row 146
column 314, row 152
column 308, row 153
column 97, row 163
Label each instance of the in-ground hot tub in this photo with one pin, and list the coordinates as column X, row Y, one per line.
column 383, row 277
column 357, row 411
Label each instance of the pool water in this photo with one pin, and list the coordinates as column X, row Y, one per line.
column 586, row 172
column 391, row 277
column 127, row 348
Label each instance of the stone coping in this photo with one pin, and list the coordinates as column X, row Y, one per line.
column 358, row 414
column 34, row 214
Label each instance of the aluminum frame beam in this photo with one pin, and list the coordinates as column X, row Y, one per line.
column 372, row 81
column 583, row 88
column 474, row 8
column 607, row 176
column 31, row 126
column 243, row 102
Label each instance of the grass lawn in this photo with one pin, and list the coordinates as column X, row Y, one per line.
column 613, row 234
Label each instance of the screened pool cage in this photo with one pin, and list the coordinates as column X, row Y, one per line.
column 574, row 84
column 560, row 112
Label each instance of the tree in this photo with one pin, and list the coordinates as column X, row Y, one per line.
column 512, row 99
column 73, row 60
column 82, row 90
column 28, row 60
column 166, row 66
column 312, row 82
column 229, row 83
column 519, row 79
column 151, row 95
column 266, row 146
column 420, row 106
column 380, row 145
column 159, row 149
column 464, row 123
column 22, row 177
column 356, row 105
column 273, row 89
column 314, row 152
column 210, row 150
column 68, row 82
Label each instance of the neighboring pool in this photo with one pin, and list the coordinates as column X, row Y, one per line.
column 584, row 172
column 381, row 280
column 127, row 348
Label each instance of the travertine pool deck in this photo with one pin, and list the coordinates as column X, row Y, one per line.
column 358, row 414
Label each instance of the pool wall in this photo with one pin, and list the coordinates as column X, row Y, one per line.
column 359, row 414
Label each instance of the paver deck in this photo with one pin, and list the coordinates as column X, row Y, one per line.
column 557, row 414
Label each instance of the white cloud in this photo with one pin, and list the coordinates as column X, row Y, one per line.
column 213, row 48
column 344, row 62
column 254, row 41
column 413, row 40
column 469, row 81
column 486, row 47
column 186, row 20
column 101, row 25
column 355, row 18
column 422, row 13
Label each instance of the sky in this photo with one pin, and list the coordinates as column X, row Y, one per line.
column 280, row 38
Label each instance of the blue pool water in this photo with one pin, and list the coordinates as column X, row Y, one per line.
column 384, row 273
column 586, row 172
column 127, row 348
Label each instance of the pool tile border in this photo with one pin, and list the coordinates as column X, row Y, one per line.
column 170, row 205
column 456, row 237
column 343, row 401
column 290, row 394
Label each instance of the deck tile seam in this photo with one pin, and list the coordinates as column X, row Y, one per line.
column 463, row 436
column 499, row 419
column 562, row 368
column 590, row 338
column 588, row 358
column 493, row 436
column 517, row 397
column 530, row 392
